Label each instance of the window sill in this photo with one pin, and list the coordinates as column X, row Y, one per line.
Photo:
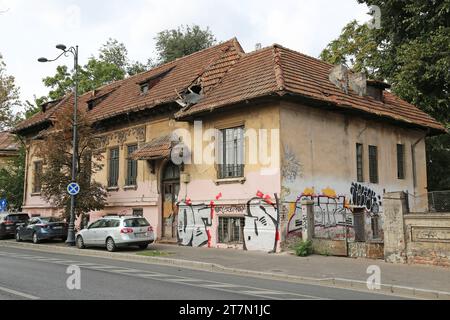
column 112, row 189
column 230, row 181
column 127, row 188
column 36, row 194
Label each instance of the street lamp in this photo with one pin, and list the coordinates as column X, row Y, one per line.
column 74, row 51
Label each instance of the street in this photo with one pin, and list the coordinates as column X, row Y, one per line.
column 26, row 274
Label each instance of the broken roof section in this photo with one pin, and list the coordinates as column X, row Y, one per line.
column 9, row 146
column 280, row 71
column 224, row 75
column 159, row 148
column 205, row 67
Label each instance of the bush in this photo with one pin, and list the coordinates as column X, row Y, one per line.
column 303, row 248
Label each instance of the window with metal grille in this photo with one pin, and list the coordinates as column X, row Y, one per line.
column 401, row 161
column 373, row 164
column 231, row 230
column 131, row 167
column 113, row 178
column 37, row 186
column 138, row 212
column 231, row 153
column 359, row 162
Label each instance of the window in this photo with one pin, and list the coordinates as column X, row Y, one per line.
column 113, row 179
column 37, row 187
column 231, row 153
column 138, row 212
column 131, row 167
column 373, row 164
column 136, row 223
column 145, row 87
column 401, row 161
column 359, row 162
column 231, row 230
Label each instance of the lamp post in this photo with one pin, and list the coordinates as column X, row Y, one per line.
column 74, row 51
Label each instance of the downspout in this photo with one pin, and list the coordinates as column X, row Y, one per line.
column 25, row 180
column 413, row 154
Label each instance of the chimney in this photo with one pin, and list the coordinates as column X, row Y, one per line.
column 375, row 89
column 339, row 77
column 258, row 46
column 358, row 83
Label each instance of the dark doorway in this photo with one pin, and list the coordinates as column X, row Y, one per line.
column 170, row 190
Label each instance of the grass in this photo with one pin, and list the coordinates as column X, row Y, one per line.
column 154, row 253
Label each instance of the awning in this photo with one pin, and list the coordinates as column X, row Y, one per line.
column 159, row 148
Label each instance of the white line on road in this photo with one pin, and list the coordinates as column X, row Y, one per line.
column 19, row 294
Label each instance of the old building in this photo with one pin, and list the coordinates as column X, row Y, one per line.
column 9, row 148
column 217, row 148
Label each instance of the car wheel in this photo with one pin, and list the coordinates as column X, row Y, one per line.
column 143, row 246
column 110, row 245
column 80, row 243
column 18, row 237
column 35, row 238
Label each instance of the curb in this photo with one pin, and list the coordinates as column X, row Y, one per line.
column 356, row 285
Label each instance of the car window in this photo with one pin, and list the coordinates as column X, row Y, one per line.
column 33, row 221
column 17, row 217
column 50, row 219
column 133, row 223
column 113, row 223
column 95, row 225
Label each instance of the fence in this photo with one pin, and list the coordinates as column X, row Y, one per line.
column 439, row 201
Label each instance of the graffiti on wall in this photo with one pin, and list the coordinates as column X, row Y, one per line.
column 261, row 228
column 363, row 196
column 331, row 214
column 194, row 222
column 261, row 224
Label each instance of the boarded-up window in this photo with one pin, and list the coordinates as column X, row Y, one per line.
column 113, row 175
column 373, row 164
column 37, row 186
column 131, row 167
column 375, row 227
column 401, row 161
column 231, row 153
column 231, row 230
column 359, row 227
column 359, row 162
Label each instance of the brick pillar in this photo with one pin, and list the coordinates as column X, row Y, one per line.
column 308, row 220
column 395, row 207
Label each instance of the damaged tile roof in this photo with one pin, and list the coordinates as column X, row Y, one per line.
column 8, row 144
column 281, row 71
column 159, row 148
column 228, row 76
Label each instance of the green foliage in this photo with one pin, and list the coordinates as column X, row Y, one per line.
column 412, row 52
column 303, row 248
column 12, row 180
column 56, row 151
column 9, row 98
column 176, row 43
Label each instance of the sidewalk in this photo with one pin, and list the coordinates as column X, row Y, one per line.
column 319, row 267
column 409, row 280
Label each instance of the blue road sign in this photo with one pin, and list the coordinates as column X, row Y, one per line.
column 3, row 205
column 73, row 189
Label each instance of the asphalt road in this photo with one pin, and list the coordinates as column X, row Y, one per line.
column 27, row 274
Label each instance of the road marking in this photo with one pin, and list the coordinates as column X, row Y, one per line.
column 220, row 285
column 19, row 294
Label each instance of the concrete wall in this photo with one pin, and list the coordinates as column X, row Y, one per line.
column 415, row 238
column 319, row 163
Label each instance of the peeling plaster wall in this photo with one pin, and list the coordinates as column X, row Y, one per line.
column 319, row 160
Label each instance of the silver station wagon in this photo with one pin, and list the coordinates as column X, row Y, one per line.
column 114, row 232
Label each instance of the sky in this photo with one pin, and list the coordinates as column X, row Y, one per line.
column 31, row 29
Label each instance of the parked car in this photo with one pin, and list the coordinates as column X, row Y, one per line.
column 114, row 232
column 42, row 228
column 9, row 223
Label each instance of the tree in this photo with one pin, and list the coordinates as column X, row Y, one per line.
column 112, row 64
column 55, row 150
column 9, row 98
column 12, row 179
column 412, row 52
column 176, row 43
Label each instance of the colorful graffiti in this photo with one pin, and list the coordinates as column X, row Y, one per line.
column 363, row 196
column 331, row 214
column 261, row 228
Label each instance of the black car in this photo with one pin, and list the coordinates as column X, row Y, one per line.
column 38, row 229
column 9, row 223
